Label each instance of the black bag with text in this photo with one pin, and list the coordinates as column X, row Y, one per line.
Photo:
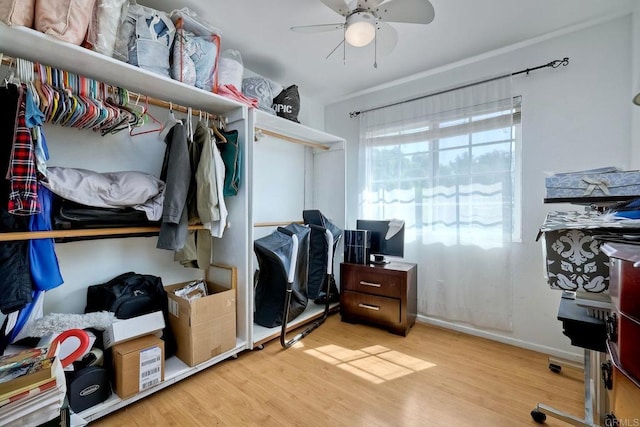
column 129, row 295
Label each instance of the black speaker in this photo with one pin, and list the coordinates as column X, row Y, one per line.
column 357, row 246
column 87, row 387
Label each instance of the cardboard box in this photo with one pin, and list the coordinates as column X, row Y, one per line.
column 138, row 365
column 128, row 329
column 205, row 327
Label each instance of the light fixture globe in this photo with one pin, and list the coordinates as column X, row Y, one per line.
column 361, row 29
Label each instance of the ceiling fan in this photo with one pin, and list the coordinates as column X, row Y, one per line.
column 366, row 21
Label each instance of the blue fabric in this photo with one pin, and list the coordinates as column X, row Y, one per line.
column 43, row 262
column 23, row 316
column 152, row 40
column 33, row 116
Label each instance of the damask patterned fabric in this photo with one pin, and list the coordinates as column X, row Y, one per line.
column 573, row 258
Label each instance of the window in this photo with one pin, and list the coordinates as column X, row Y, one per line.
column 452, row 176
column 448, row 165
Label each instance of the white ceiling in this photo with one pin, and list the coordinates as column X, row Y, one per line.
column 260, row 31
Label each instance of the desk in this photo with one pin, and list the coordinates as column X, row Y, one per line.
column 589, row 333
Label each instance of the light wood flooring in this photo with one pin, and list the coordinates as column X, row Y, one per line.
column 356, row 375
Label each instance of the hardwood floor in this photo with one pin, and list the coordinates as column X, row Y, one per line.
column 356, row 375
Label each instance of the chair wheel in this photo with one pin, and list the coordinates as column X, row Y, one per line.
column 555, row 368
column 539, row 417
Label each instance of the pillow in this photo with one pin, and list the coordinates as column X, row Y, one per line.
column 287, row 103
column 103, row 190
column 259, row 88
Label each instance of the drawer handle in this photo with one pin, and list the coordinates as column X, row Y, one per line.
column 373, row 285
column 369, row 307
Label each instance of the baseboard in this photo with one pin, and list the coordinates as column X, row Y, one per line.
column 576, row 357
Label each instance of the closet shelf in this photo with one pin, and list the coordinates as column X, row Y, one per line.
column 89, row 232
column 26, row 43
column 287, row 128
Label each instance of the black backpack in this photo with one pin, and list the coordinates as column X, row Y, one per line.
column 129, row 295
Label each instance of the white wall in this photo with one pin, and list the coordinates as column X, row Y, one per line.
column 573, row 118
column 90, row 262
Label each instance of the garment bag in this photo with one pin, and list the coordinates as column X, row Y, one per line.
column 318, row 250
column 274, row 253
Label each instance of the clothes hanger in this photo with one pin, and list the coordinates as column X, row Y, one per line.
column 220, row 138
column 90, row 109
column 169, row 123
column 159, row 126
column 189, row 123
column 10, row 79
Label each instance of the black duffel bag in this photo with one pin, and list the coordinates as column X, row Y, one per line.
column 129, row 295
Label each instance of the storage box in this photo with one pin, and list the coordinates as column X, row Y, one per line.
column 604, row 182
column 205, row 327
column 138, row 365
column 126, row 329
column 573, row 259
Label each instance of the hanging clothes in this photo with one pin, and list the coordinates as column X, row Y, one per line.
column 15, row 277
column 196, row 252
column 43, row 262
column 23, row 198
column 210, row 174
column 218, row 227
column 176, row 173
column 232, row 157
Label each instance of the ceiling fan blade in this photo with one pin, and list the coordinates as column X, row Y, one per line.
column 338, row 6
column 367, row 4
column 386, row 38
column 406, row 11
column 317, row 28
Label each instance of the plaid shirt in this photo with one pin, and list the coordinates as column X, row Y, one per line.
column 23, row 198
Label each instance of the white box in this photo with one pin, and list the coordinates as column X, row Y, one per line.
column 128, row 329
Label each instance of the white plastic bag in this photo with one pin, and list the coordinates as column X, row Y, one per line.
column 230, row 69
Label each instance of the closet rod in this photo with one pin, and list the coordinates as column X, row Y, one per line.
column 276, row 224
column 88, row 232
column 259, row 131
column 11, row 62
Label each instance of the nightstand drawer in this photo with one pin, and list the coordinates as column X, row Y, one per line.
column 374, row 281
column 372, row 307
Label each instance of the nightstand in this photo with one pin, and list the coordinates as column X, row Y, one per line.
column 385, row 295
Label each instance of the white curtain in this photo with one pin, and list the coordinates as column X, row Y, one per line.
column 446, row 164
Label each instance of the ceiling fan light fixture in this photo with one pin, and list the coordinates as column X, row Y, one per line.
column 360, row 29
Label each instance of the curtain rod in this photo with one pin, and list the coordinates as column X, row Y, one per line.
column 553, row 64
column 11, row 62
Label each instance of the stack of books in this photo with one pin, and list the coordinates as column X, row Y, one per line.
column 32, row 386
